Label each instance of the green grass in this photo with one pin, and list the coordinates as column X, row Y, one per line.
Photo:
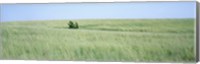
column 154, row 40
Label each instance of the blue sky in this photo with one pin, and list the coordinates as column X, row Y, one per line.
column 24, row 12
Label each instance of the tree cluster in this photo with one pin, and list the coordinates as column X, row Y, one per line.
column 73, row 25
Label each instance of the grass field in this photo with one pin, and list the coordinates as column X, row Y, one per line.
column 154, row 40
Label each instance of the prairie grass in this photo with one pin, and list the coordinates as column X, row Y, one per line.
column 144, row 40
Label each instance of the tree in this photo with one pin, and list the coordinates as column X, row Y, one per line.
column 73, row 25
column 76, row 25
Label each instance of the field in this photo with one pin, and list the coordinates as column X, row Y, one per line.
column 143, row 40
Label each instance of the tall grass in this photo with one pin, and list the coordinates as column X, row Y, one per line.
column 156, row 40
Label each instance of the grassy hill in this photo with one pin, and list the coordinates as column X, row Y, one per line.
column 156, row 40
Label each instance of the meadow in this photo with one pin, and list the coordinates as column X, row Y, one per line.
column 134, row 40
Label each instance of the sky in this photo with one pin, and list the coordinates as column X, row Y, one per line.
column 65, row 11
